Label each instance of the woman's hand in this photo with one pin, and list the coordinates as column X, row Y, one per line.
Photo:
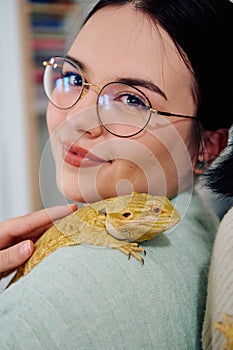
column 17, row 235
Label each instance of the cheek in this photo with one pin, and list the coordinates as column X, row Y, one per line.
column 55, row 117
column 170, row 168
column 121, row 178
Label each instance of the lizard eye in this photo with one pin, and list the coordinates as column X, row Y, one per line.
column 156, row 210
column 127, row 214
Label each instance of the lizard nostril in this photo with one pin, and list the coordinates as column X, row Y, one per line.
column 127, row 214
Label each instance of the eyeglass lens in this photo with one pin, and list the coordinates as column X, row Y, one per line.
column 63, row 82
column 122, row 109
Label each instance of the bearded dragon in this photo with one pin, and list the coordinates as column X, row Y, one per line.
column 120, row 223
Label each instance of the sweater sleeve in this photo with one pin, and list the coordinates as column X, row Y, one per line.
column 84, row 297
column 220, row 286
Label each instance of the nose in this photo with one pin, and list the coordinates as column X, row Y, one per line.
column 83, row 115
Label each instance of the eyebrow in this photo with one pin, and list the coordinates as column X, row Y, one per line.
column 131, row 81
column 143, row 83
column 74, row 60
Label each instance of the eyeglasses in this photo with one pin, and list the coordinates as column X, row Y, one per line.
column 123, row 110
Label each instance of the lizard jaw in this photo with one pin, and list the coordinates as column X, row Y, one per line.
column 124, row 235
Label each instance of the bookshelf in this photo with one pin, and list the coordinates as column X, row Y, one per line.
column 50, row 24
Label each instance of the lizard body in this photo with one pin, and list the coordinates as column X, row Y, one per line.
column 120, row 222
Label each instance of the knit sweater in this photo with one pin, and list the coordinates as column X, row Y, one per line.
column 84, row 297
column 220, row 287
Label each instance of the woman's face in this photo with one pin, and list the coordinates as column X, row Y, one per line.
column 91, row 163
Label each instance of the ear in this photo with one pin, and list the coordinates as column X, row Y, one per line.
column 213, row 143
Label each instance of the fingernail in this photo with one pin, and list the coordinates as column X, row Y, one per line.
column 73, row 206
column 25, row 248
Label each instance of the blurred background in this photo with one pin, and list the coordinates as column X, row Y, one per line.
column 31, row 32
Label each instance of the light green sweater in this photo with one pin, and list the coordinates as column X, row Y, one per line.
column 85, row 297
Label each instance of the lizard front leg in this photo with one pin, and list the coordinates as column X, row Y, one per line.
column 132, row 249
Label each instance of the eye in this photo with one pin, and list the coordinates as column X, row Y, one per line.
column 156, row 210
column 126, row 215
column 72, row 79
column 131, row 100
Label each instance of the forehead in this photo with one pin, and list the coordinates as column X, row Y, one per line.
column 124, row 41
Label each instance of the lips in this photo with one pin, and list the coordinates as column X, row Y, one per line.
column 80, row 157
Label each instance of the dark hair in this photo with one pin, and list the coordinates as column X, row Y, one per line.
column 219, row 178
column 202, row 32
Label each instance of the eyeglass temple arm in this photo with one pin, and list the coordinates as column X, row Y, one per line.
column 168, row 114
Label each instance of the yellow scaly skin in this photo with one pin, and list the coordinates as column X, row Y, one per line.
column 119, row 223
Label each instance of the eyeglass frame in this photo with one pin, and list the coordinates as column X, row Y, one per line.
column 86, row 86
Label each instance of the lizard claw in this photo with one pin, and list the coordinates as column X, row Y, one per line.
column 134, row 250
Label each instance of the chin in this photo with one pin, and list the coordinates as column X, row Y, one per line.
column 73, row 193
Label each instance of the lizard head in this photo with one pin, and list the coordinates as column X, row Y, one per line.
column 140, row 216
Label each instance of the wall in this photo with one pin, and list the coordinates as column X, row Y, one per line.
column 18, row 157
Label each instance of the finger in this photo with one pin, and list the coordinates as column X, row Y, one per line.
column 16, row 255
column 33, row 236
column 28, row 223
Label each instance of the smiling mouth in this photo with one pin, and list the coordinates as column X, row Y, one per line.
column 80, row 157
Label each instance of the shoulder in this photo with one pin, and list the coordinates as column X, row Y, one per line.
column 104, row 301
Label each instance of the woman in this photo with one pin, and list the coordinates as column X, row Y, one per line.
column 131, row 109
